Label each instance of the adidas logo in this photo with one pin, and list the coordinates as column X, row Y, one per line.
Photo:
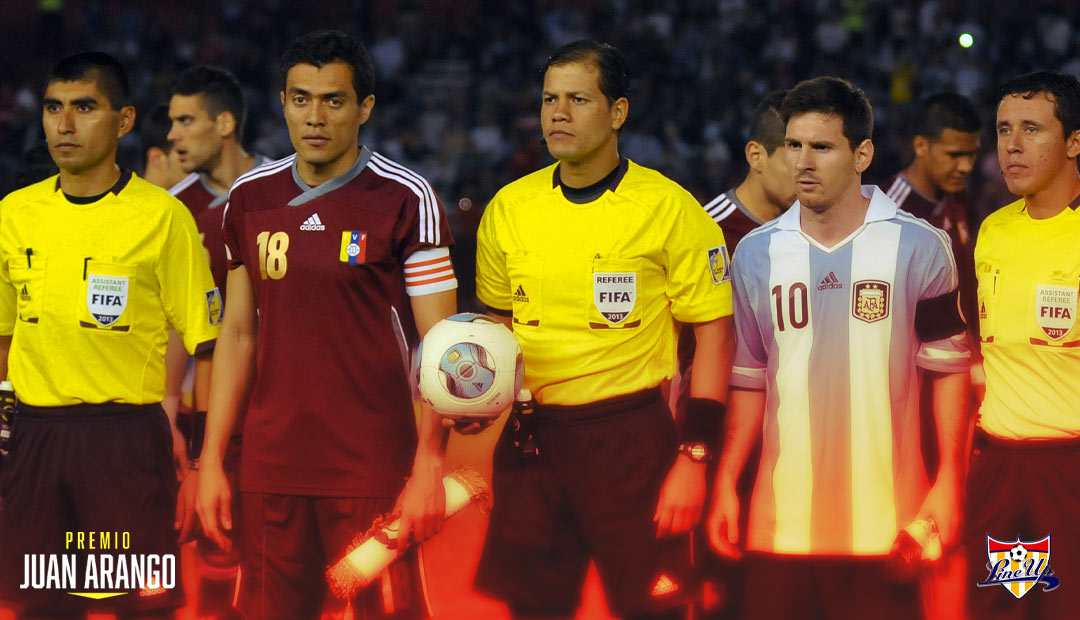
column 664, row 586
column 519, row 295
column 313, row 223
column 828, row 282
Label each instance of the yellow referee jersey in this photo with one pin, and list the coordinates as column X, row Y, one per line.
column 1029, row 279
column 88, row 291
column 595, row 289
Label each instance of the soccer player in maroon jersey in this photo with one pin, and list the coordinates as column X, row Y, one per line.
column 768, row 189
column 207, row 112
column 161, row 167
column 338, row 257
column 945, row 140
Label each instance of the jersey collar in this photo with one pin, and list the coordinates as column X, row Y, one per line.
column 881, row 208
column 308, row 193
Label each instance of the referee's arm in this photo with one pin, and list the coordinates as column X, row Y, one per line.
column 232, row 373
column 682, row 497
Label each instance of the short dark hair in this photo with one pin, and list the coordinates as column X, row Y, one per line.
column 98, row 67
column 767, row 125
column 832, row 95
column 155, row 129
column 220, row 90
column 323, row 47
column 942, row 111
column 614, row 70
column 1064, row 91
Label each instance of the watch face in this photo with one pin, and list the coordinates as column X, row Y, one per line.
column 697, row 451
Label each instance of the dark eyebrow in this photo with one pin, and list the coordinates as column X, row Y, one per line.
column 50, row 101
column 85, row 101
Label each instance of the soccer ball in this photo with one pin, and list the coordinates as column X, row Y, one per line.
column 1017, row 553
column 470, row 366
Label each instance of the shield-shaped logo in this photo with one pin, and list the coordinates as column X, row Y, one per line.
column 213, row 305
column 870, row 300
column 1018, row 565
column 614, row 294
column 106, row 297
column 1055, row 310
column 719, row 264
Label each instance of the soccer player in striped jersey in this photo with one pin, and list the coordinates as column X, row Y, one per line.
column 842, row 305
column 945, row 142
column 338, row 258
column 1026, row 469
column 768, row 189
column 207, row 113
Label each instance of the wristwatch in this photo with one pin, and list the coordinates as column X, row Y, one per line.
column 696, row 451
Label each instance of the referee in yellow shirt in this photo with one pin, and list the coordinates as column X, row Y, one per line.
column 592, row 261
column 1026, row 469
column 95, row 265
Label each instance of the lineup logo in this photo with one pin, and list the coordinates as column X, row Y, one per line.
column 1019, row 566
column 95, row 566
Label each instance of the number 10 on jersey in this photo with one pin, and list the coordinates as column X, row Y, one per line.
column 797, row 311
column 272, row 248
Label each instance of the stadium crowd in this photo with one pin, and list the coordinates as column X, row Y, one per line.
column 456, row 80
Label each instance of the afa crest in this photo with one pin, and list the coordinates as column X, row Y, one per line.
column 1019, row 565
column 870, row 300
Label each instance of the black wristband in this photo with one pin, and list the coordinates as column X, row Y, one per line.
column 704, row 418
column 198, row 430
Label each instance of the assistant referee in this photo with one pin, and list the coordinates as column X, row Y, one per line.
column 593, row 260
column 95, row 265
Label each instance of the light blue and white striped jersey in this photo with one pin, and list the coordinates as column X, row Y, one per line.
column 829, row 334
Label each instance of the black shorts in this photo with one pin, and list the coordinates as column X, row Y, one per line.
column 1026, row 489
column 824, row 588
column 590, row 493
column 288, row 541
column 89, row 469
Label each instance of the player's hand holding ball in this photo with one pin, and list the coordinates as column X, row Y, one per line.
column 470, row 368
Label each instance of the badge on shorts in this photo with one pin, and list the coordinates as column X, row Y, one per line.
column 1019, row 565
column 870, row 300
column 719, row 264
column 1055, row 310
column 614, row 294
column 213, row 305
column 106, row 297
column 353, row 247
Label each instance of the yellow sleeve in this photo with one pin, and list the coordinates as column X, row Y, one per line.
column 7, row 291
column 492, row 279
column 191, row 301
column 698, row 264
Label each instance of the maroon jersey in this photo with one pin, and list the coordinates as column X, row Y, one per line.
column 951, row 215
column 733, row 218
column 203, row 202
column 331, row 412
